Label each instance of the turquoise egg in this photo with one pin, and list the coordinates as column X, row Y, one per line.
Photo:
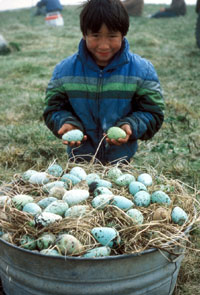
column 48, row 186
column 101, row 201
column 68, row 244
column 124, row 179
column 91, row 177
column 116, row 133
column 102, row 190
column 28, row 242
column 73, row 135
column 145, row 178
column 104, row 183
column 78, row 172
column 43, row 203
column 70, row 179
column 179, row 216
column 136, row 215
column 45, row 241
column 160, row 197
column 32, row 208
column 75, row 196
column 77, row 211
column 46, row 218
column 27, row 174
column 136, row 186
column 122, row 202
column 142, row 199
column 20, row 201
column 55, row 170
column 57, row 207
column 98, row 252
column 52, row 252
column 39, row 178
column 114, row 173
column 106, row 236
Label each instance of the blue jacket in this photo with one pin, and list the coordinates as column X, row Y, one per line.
column 51, row 5
column 127, row 90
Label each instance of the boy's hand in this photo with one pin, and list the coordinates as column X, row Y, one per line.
column 120, row 141
column 68, row 127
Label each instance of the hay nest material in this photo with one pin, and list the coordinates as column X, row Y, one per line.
column 135, row 238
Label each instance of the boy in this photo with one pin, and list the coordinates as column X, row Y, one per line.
column 104, row 85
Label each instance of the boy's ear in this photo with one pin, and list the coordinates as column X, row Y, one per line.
column 84, row 37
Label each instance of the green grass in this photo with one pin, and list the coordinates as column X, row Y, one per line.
column 169, row 44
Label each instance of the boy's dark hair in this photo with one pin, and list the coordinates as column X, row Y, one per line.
column 112, row 13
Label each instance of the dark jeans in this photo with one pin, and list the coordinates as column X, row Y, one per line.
column 164, row 14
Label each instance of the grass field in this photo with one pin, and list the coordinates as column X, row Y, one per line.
column 169, row 44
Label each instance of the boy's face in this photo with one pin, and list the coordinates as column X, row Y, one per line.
column 103, row 45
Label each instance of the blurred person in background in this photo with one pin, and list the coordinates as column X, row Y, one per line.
column 48, row 6
column 177, row 8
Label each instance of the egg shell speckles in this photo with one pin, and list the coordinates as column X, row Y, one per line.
column 32, row 208
column 39, row 178
column 68, row 244
column 142, row 199
column 106, row 236
column 78, row 172
column 45, row 241
column 122, row 202
column 77, row 211
column 102, row 190
column 179, row 216
column 124, row 179
column 46, row 218
column 101, row 201
column 136, row 215
column 145, row 178
column 55, row 170
column 73, row 135
column 98, row 252
column 75, row 196
column 160, row 197
column 20, row 201
column 28, row 242
column 116, row 133
column 114, row 173
column 57, row 207
column 135, row 187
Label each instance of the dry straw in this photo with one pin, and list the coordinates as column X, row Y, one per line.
column 159, row 234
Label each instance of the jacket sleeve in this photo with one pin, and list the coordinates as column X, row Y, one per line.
column 58, row 109
column 148, row 107
column 41, row 3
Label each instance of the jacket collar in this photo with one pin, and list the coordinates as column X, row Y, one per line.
column 119, row 59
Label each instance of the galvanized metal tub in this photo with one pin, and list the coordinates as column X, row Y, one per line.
column 151, row 272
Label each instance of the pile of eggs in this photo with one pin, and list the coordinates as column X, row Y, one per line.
column 66, row 196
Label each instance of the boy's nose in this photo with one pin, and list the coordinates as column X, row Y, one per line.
column 103, row 44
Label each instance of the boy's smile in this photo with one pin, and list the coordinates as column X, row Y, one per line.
column 103, row 45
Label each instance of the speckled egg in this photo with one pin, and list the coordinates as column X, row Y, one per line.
column 55, row 170
column 57, row 192
column 103, row 183
column 43, row 203
column 122, row 202
column 39, row 178
column 32, row 208
column 4, row 200
column 92, row 177
column 114, row 173
column 52, row 252
column 179, row 216
column 98, row 252
column 79, row 172
column 75, row 196
column 142, row 199
column 45, row 241
column 77, row 211
column 20, row 201
column 106, row 236
column 116, row 133
column 47, row 187
column 73, row 135
column 28, row 242
column 136, row 186
column 46, row 218
column 57, row 207
column 124, row 179
column 70, row 179
column 160, row 197
column 68, row 244
column 27, row 174
column 102, row 190
column 101, row 201
column 145, row 178
column 136, row 215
